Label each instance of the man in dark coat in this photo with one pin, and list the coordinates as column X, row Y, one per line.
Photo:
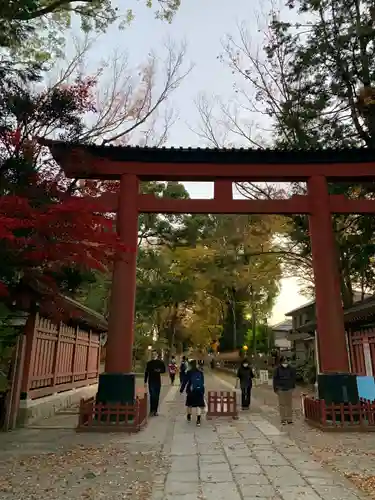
column 284, row 382
column 154, row 369
column 245, row 375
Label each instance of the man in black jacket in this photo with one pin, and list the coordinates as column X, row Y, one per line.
column 284, row 382
column 153, row 372
column 245, row 375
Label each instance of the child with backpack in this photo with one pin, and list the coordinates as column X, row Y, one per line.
column 172, row 370
column 194, row 386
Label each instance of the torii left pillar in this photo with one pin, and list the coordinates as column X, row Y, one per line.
column 117, row 384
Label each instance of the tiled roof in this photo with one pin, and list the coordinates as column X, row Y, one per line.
column 223, row 155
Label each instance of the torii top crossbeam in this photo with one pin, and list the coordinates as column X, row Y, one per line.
column 111, row 162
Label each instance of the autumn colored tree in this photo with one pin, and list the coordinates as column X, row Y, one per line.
column 82, row 109
column 40, row 232
column 230, row 264
column 308, row 84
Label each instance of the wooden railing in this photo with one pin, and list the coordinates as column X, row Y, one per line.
column 222, row 404
column 343, row 416
column 112, row 418
column 358, row 343
column 58, row 358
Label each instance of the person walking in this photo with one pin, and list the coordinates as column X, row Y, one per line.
column 183, row 369
column 154, row 369
column 194, row 386
column 284, row 382
column 245, row 377
column 172, row 370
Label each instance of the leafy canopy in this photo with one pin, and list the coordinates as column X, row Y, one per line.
column 36, row 28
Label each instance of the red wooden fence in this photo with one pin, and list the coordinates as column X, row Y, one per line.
column 357, row 341
column 112, row 418
column 344, row 416
column 59, row 358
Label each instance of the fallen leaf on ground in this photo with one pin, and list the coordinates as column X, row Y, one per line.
column 365, row 483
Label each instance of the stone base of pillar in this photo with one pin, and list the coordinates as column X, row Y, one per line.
column 337, row 388
column 116, row 388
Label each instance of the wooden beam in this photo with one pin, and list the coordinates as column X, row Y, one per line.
column 151, row 204
column 339, row 204
column 77, row 163
column 148, row 203
column 94, row 168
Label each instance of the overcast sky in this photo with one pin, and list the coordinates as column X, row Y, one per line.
column 203, row 24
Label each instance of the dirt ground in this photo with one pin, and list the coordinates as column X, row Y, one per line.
column 50, row 461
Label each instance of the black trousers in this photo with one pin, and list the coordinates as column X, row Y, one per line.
column 154, row 392
column 245, row 397
column 172, row 376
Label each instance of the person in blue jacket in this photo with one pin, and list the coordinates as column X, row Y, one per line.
column 194, row 386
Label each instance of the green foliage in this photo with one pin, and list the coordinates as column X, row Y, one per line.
column 262, row 340
column 95, row 292
column 306, row 373
column 243, row 269
column 189, row 293
column 315, row 79
column 170, row 230
column 35, row 29
column 324, row 109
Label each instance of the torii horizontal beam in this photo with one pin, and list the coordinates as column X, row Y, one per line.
column 96, row 162
column 148, row 203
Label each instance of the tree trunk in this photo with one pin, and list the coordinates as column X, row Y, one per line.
column 253, row 321
column 233, row 305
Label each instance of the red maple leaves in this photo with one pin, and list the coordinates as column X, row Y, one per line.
column 43, row 227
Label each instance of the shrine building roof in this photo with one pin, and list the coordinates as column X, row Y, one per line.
column 218, row 155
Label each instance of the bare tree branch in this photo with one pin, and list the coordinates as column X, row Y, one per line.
column 131, row 104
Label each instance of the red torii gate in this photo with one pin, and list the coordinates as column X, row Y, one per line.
column 223, row 167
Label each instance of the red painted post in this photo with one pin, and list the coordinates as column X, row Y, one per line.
column 323, row 412
column 74, row 355
column 88, row 354
column 98, row 354
column 329, row 312
column 121, row 318
column 56, row 358
column 223, row 190
column 30, row 332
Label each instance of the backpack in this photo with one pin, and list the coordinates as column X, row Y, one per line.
column 197, row 382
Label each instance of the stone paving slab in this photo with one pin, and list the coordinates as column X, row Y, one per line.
column 349, row 454
column 241, row 460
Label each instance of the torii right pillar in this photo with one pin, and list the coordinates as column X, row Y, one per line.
column 331, row 336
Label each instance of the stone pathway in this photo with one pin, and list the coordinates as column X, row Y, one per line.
column 241, row 460
column 351, row 454
column 233, row 460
